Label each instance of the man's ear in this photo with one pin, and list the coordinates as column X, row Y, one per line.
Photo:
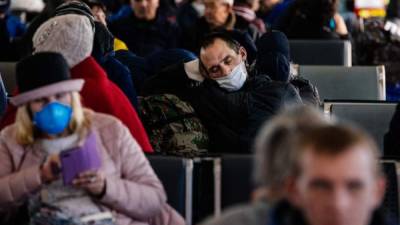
column 380, row 190
column 243, row 53
column 292, row 190
column 202, row 69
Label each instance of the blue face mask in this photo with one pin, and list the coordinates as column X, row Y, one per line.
column 53, row 118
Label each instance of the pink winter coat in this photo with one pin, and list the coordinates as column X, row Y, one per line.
column 134, row 194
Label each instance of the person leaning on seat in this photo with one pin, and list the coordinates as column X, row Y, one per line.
column 50, row 120
column 231, row 100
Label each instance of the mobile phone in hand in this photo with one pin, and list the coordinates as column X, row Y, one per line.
column 80, row 159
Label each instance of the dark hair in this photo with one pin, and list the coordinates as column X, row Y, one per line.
column 333, row 140
column 93, row 3
column 209, row 39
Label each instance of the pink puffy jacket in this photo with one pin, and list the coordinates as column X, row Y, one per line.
column 133, row 192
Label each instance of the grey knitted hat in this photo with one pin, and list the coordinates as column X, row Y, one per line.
column 70, row 35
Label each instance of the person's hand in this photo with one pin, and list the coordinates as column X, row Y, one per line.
column 341, row 27
column 92, row 181
column 99, row 15
column 50, row 169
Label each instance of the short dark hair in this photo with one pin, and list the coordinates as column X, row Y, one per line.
column 333, row 140
column 93, row 3
column 209, row 39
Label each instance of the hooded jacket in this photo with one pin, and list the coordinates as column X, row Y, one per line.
column 117, row 72
column 192, row 37
column 273, row 59
column 273, row 56
column 309, row 19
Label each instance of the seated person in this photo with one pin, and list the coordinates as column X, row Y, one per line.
column 231, row 100
column 104, row 54
column 332, row 176
column 218, row 16
column 270, row 10
column 98, row 9
column 50, row 119
column 10, row 29
column 73, row 38
column 189, row 12
column 245, row 11
column 25, row 45
column 146, row 30
column 313, row 19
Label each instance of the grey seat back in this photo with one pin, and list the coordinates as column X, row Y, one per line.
column 390, row 206
column 7, row 71
column 235, row 167
column 176, row 175
column 373, row 117
column 321, row 52
column 347, row 83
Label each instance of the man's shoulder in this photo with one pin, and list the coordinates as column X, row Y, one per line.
column 262, row 85
column 260, row 81
column 252, row 214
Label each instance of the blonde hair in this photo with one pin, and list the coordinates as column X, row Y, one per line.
column 26, row 133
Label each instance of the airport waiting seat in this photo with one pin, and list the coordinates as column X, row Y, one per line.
column 7, row 72
column 321, row 52
column 374, row 117
column 347, row 83
column 206, row 188
column 390, row 206
column 236, row 179
column 176, row 175
column 220, row 182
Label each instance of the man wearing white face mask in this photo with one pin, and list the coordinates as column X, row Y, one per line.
column 231, row 101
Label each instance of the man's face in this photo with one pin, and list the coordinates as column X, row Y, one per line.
column 216, row 12
column 338, row 190
column 145, row 9
column 219, row 59
column 99, row 15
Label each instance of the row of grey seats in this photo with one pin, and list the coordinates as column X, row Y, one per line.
column 198, row 188
column 332, row 73
column 333, row 82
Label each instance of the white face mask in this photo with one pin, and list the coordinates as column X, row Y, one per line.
column 235, row 80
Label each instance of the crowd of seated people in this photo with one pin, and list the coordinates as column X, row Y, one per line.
column 85, row 68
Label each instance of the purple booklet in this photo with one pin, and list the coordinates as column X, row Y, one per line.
column 77, row 160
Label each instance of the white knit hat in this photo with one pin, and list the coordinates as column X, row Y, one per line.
column 70, row 35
